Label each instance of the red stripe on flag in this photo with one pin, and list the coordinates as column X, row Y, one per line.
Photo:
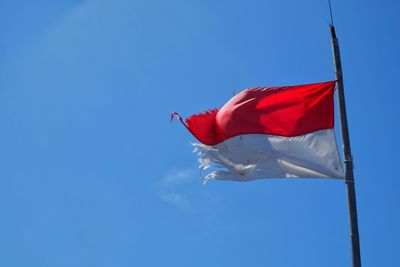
column 284, row 111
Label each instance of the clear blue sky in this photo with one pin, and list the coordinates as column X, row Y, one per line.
column 93, row 174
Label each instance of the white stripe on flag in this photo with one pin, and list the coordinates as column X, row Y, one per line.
column 257, row 156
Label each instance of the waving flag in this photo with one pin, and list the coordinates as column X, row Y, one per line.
column 269, row 132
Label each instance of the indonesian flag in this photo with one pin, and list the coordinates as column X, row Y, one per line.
column 269, row 132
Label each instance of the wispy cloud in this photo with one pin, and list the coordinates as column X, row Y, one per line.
column 172, row 187
column 176, row 177
column 176, row 199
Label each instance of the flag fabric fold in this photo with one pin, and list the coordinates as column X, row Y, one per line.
column 269, row 132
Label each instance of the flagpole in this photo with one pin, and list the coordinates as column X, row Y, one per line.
column 348, row 160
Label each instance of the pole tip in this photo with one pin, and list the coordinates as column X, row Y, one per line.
column 330, row 11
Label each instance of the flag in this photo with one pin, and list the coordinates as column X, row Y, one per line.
column 269, row 132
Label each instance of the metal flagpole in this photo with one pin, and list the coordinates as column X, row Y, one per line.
column 348, row 160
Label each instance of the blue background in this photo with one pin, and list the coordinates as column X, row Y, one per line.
column 93, row 174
